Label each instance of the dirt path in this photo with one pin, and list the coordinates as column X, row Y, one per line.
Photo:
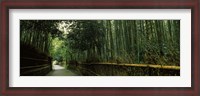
column 61, row 71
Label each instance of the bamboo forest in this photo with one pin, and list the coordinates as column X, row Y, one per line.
column 100, row 47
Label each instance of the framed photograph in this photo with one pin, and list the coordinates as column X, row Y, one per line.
column 139, row 48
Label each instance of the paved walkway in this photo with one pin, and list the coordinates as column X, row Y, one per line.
column 61, row 71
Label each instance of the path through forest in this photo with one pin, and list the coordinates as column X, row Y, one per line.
column 61, row 71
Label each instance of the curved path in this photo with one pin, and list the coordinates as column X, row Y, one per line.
column 61, row 71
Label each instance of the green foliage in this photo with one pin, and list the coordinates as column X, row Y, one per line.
column 120, row 41
column 85, row 35
column 86, row 38
column 58, row 49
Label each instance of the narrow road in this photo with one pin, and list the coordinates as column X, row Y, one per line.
column 61, row 71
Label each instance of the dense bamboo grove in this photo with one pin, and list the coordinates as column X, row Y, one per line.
column 37, row 33
column 127, row 41
column 120, row 41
